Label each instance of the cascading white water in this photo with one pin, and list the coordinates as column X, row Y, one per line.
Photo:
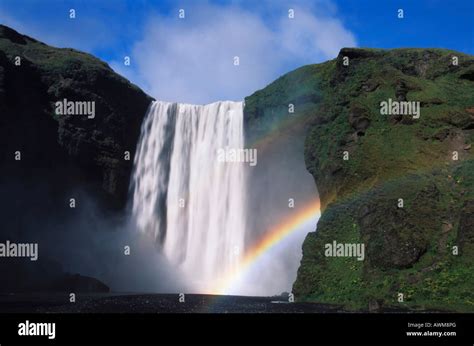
column 193, row 204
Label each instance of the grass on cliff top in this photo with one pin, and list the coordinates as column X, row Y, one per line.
column 55, row 62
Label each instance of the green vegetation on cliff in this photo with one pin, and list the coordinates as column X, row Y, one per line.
column 409, row 249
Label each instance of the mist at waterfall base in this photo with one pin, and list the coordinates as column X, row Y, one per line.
column 204, row 214
column 83, row 240
column 94, row 245
column 229, row 206
column 279, row 176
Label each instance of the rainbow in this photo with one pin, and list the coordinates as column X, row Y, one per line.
column 267, row 242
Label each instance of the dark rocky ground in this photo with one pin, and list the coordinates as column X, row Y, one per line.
column 152, row 303
column 158, row 303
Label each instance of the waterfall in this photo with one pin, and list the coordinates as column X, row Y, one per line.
column 189, row 201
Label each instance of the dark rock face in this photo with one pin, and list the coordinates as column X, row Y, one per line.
column 47, row 158
column 357, row 53
column 358, row 119
column 401, row 91
column 86, row 152
column 397, row 237
column 79, row 283
column 466, row 226
column 469, row 75
column 45, row 275
column 22, row 275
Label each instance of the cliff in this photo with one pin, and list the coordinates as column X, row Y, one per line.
column 71, row 150
column 48, row 158
column 401, row 185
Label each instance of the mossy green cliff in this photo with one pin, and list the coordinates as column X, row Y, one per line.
column 409, row 249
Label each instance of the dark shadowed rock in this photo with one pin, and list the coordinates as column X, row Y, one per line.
column 68, row 149
column 466, row 226
column 359, row 53
column 359, row 119
column 62, row 156
column 469, row 75
column 80, row 284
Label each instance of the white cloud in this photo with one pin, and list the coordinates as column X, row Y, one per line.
column 310, row 38
column 192, row 59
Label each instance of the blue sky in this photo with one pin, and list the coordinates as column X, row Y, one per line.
column 192, row 60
